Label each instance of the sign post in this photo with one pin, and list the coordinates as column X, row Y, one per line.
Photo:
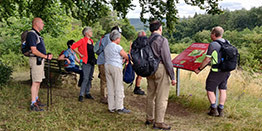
column 178, row 81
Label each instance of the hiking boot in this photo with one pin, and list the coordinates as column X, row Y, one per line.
column 35, row 107
column 39, row 103
column 213, row 112
column 103, row 100
column 88, row 96
column 139, row 92
column 149, row 122
column 220, row 112
column 123, row 111
column 80, row 98
column 161, row 126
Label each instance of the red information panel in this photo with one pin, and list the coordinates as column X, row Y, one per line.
column 192, row 57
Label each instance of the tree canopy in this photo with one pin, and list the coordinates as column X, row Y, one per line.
column 90, row 11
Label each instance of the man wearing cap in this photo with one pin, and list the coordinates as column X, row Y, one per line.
column 101, row 65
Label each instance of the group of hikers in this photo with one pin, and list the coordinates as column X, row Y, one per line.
column 110, row 63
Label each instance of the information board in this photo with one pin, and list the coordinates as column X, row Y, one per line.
column 192, row 57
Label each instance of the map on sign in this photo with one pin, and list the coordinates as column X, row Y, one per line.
column 192, row 57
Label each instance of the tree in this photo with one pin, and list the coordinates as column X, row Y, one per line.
column 90, row 11
column 166, row 9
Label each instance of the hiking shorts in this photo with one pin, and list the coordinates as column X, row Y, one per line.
column 217, row 79
column 37, row 71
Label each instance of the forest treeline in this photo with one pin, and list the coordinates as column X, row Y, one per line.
column 243, row 28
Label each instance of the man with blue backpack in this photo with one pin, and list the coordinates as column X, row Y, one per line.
column 223, row 58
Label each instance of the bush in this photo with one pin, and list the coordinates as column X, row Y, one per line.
column 5, row 73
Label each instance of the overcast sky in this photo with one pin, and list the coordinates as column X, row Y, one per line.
column 185, row 10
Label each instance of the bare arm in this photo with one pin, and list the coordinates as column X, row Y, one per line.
column 39, row 54
column 76, row 50
column 203, row 64
column 124, row 54
column 62, row 57
column 77, row 60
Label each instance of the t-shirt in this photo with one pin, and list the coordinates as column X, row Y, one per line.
column 71, row 56
column 213, row 52
column 31, row 40
column 104, row 43
column 112, row 55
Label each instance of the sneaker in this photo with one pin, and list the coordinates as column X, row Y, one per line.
column 80, row 98
column 39, row 103
column 111, row 111
column 220, row 112
column 161, row 126
column 149, row 122
column 122, row 111
column 139, row 92
column 88, row 96
column 35, row 107
column 213, row 112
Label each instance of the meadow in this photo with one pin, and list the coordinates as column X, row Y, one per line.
column 185, row 112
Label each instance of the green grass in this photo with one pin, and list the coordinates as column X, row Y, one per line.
column 243, row 108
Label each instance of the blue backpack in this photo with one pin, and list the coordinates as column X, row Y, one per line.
column 128, row 73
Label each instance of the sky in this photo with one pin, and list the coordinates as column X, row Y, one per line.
column 185, row 10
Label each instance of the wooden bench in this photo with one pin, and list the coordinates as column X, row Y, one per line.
column 59, row 76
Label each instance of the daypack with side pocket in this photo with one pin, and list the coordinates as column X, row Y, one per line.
column 25, row 48
column 229, row 56
column 145, row 63
column 128, row 73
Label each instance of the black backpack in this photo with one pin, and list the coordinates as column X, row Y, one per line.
column 229, row 56
column 145, row 63
column 25, row 48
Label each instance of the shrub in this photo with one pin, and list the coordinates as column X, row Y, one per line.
column 5, row 73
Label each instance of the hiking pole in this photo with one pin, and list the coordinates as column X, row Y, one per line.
column 48, row 82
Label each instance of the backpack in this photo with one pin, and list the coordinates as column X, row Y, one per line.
column 128, row 73
column 145, row 63
column 98, row 49
column 25, row 48
column 229, row 57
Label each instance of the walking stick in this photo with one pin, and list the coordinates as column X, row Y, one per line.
column 49, row 88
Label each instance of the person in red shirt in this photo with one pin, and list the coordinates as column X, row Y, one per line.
column 84, row 48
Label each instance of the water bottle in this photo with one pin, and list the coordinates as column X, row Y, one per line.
column 80, row 64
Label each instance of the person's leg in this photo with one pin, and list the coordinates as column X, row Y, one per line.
column 76, row 70
column 103, row 88
column 211, row 97
column 150, row 100
column 223, row 94
column 34, row 91
column 89, row 84
column 119, row 88
column 37, row 73
column 162, row 81
column 137, row 89
column 86, row 71
column 110, row 88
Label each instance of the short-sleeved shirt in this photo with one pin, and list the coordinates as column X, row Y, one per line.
column 112, row 55
column 101, row 57
column 31, row 40
column 71, row 56
column 213, row 53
